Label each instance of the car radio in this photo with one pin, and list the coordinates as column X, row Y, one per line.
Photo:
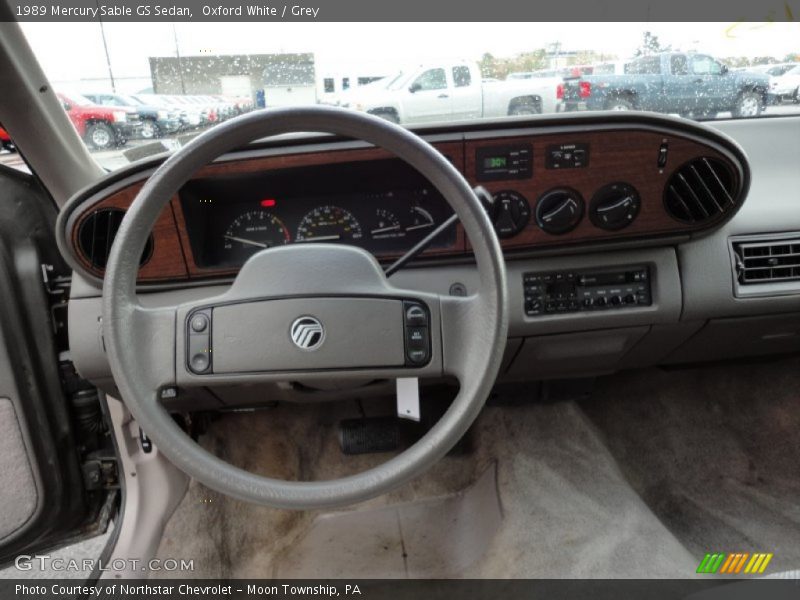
column 580, row 291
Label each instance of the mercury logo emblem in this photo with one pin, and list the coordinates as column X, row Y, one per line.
column 307, row 333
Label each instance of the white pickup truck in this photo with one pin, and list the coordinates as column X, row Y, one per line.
column 452, row 91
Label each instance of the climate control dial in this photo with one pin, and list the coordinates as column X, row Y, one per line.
column 510, row 214
column 614, row 206
column 559, row 210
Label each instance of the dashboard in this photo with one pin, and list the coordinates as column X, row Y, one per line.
column 627, row 237
column 565, row 185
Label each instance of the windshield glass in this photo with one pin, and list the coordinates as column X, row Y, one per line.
column 202, row 74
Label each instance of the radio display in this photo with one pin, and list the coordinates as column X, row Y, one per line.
column 495, row 163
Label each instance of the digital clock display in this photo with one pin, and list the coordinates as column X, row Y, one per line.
column 495, row 162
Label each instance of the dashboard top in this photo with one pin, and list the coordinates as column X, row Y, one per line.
column 558, row 185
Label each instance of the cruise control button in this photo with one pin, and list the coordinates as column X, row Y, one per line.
column 199, row 362
column 417, row 337
column 418, row 356
column 415, row 316
column 199, row 323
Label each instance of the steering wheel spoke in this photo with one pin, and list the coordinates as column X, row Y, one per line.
column 461, row 323
column 150, row 341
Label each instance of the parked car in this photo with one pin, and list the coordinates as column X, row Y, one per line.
column 196, row 115
column 671, row 82
column 101, row 127
column 156, row 120
column 786, row 84
column 5, row 141
column 450, row 91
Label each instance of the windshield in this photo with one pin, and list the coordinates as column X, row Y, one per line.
column 207, row 73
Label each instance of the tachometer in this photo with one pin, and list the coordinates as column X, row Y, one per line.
column 253, row 231
column 328, row 224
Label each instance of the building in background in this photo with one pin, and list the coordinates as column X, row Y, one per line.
column 282, row 79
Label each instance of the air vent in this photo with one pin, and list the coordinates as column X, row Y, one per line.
column 700, row 191
column 96, row 235
column 767, row 261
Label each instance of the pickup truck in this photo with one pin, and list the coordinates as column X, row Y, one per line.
column 101, row 127
column 451, row 91
column 694, row 85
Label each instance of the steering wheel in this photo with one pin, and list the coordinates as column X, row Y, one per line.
column 304, row 311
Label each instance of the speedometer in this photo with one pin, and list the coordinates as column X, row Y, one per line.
column 252, row 231
column 328, row 224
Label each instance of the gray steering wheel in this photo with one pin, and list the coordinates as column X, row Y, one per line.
column 258, row 330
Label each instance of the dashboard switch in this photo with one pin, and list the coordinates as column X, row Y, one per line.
column 662, row 155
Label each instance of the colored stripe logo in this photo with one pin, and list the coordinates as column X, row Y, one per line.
column 734, row 563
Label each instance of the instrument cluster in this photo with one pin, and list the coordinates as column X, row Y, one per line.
column 230, row 220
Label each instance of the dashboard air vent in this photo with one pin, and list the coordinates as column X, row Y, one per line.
column 96, row 235
column 766, row 261
column 701, row 190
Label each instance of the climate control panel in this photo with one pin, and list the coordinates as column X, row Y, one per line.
column 559, row 292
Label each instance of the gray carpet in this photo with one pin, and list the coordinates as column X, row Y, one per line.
column 715, row 452
column 567, row 510
column 655, row 470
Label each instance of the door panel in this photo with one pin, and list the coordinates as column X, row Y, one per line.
column 45, row 472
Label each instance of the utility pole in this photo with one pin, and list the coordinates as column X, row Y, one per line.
column 105, row 47
column 178, row 54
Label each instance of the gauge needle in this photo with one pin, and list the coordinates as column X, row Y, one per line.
column 323, row 238
column 385, row 229
column 246, row 241
column 420, row 226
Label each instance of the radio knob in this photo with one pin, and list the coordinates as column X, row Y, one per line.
column 616, row 300
column 559, row 211
column 601, row 301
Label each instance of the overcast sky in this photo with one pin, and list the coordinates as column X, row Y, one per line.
column 72, row 51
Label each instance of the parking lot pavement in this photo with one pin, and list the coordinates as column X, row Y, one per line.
column 114, row 159
column 91, row 548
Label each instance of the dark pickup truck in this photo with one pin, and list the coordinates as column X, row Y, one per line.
column 694, row 85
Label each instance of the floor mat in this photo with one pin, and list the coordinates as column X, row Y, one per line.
column 714, row 452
